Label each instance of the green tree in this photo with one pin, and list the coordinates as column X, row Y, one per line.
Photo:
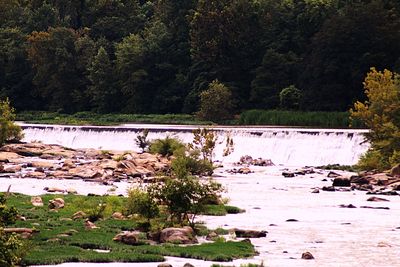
column 216, row 103
column 103, row 92
column 8, row 129
column 290, row 97
column 381, row 114
column 185, row 195
column 277, row 71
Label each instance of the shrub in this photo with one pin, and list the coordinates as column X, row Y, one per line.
column 191, row 165
column 141, row 140
column 372, row 160
column 8, row 129
column 140, row 202
column 184, row 195
column 166, row 147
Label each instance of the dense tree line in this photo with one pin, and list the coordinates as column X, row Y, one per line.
column 158, row 56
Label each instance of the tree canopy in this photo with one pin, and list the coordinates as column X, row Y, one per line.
column 158, row 56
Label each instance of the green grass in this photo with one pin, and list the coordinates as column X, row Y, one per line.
column 90, row 118
column 249, row 117
column 221, row 210
column 50, row 245
column 297, row 118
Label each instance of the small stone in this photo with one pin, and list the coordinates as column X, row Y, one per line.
column 37, row 201
column 89, row 225
column 292, row 220
column 328, row 188
column 164, row 265
column 78, row 215
column 350, row 206
column 117, row 216
column 57, row 203
column 307, row 256
column 315, row 191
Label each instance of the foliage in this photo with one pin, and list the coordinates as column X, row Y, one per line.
column 380, row 113
column 140, row 202
column 191, row 164
column 204, row 141
column 215, row 103
column 298, row 118
column 8, row 129
column 166, row 147
column 141, row 140
column 10, row 244
column 290, row 98
column 160, row 56
column 59, row 240
column 184, row 195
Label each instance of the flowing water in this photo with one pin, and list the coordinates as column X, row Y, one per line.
column 335, row 236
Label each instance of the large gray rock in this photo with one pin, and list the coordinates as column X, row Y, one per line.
column 183, row 235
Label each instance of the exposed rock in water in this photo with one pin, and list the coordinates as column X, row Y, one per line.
column 288, row 174
column 375, row 208
column 350, row 206
column 307, row 256
column 377, row 199
column 341, row 181
column 250, row 233
column 256, row 162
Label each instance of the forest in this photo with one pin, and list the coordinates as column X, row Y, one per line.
column 158, row 56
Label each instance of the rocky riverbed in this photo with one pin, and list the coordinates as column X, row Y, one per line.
column 341, row 218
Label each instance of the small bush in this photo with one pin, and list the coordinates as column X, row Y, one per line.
column 140, row 202
column 372, row 160
column 166, row 147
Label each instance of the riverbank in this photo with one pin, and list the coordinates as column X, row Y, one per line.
column 249, row 117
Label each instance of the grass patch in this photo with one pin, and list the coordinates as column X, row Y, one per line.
column 221, row 210
column 90, row 118
column 298, row 118
column 61, row 239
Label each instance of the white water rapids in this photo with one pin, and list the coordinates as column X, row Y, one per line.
column 287, row 146
column 335, row 236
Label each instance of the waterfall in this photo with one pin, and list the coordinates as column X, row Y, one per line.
column 286, row 146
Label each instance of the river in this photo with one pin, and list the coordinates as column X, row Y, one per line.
column 335, row 236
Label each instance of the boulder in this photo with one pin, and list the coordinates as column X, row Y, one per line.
column 36, row 175
column 42, row 164
column 12, row 169
column 333, row 174
column 183, row 235
column 395, row 171
column 307, row 256
column 117, row 216
column 341, row 181
column 164, row 265
column 6, row 156
column 128, row 237
column 250, row 233
column 328, row 188
column 188, row 265
column 288, row 174
column 37, row 201
column 57, row 203
column 358, row 180
column 244, row 171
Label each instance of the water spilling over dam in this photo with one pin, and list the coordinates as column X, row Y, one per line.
column 286, row 146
